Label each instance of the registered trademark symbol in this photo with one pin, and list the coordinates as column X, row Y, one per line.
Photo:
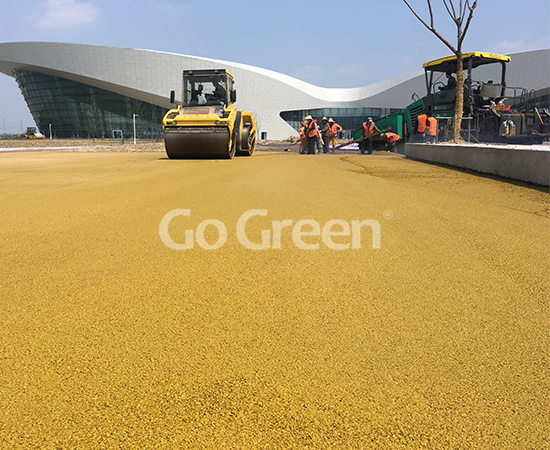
column 388, row 214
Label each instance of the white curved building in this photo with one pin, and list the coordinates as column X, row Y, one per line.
column 91, row 90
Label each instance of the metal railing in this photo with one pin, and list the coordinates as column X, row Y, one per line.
column 448, row 127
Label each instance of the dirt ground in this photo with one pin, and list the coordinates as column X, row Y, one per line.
column 110, row 339
column 84, row 146
column 113, row 146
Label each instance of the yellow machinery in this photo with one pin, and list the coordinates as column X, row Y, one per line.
column 32, row 133
column 207, row 124
column 484, row 109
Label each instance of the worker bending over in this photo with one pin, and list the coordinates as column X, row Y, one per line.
column 392, row 139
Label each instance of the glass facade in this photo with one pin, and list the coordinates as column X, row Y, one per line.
column 350, row 119
column 77, row 110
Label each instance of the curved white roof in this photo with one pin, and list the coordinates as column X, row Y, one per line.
column 150, row 76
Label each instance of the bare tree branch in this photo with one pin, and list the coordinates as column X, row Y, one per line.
column 460, row 18
column 431, row 28
column 418, row 17
column 453, row 14
column 463, row 11
column 447, row 8
column 474, row 6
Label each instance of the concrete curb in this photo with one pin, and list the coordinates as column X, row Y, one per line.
column 519, row 162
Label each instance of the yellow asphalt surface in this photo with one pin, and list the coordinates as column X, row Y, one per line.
column 439, row 339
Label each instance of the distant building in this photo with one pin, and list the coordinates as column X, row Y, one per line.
column 91, row 90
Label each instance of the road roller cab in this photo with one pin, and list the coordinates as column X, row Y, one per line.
column 207, row 124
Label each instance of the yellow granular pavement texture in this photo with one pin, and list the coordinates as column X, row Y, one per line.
column 109, row 339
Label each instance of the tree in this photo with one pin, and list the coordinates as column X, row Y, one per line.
column 458, row 15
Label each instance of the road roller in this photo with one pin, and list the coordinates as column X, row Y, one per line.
column 206, row 124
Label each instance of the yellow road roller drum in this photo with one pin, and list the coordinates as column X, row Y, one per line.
column 207, row 124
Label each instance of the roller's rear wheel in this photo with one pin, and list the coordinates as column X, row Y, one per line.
column 247, row 148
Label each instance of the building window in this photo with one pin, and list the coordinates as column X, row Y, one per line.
column 77, row 110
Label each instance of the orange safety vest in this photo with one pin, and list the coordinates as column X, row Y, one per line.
column 421, row 123
column 392, row 137
column 312, row 130
column 333, row 130
column 432, row 126
column 368, row 130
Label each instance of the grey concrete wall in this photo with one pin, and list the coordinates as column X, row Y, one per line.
column 525, row 163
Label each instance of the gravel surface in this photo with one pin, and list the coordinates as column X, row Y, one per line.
column 109, row 339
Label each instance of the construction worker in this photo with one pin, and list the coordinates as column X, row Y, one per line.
column 319, row 141
column 392, row 139
column 431, row 132
column 198, row 96
column 312, row 135
column 333, row 132
column 369, row 128
column 451, row 82
column 303, row 138
column 325, row 128
column 421, row 127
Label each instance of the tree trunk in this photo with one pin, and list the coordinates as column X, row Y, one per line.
column 459, row 106
column 458, row 15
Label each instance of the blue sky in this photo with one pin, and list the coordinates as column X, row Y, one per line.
column 327, row 43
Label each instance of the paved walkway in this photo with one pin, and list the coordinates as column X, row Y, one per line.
column 110, row 339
